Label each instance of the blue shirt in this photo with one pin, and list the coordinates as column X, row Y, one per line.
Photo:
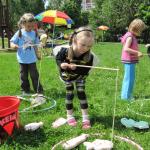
column 25, row 54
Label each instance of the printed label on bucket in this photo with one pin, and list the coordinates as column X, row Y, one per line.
column 8, row 122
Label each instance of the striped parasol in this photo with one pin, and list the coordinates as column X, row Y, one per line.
column 54, row 17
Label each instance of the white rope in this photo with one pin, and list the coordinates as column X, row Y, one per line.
column 116, row 88
column 95, row 67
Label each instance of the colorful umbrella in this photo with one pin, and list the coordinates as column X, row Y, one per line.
column 104, row 28
column 54, row 17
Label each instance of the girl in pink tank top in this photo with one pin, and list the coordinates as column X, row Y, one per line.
column 127, row 56
column 130, row 56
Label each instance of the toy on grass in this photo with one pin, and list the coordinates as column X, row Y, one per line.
column 72, row 143
column 116, row 137
column 33, row 126
column 59, row 122
column 99, row 145
column 130, row 123
column 37, row 99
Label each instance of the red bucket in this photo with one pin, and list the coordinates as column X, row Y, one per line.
column 9, row 113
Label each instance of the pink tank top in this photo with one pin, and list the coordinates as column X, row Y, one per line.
column 127, row 57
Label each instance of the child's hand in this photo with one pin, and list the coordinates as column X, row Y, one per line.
column 64, row 65
column 140, row 54
column 147, row 45
column 15, row 46
column 72, row 66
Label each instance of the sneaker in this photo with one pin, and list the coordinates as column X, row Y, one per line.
column 72, row 122
column 38, row 100
column 86, row 124
column 26, row 93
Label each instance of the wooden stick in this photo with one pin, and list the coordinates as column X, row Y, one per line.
column 30, row 45
column 104, row 68
column 146, row 54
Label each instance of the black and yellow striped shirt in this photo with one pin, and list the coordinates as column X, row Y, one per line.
column 79, row 72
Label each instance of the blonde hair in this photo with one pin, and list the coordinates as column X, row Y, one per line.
column 80, row 32
column 136, row 26
column 86, row 31
column 27, row 17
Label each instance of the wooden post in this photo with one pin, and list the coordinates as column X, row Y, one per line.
column 4, row 22
column 7, row 23
column 1, row 30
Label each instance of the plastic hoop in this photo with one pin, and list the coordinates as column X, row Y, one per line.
column 40, row 110
column 120, row 138
column 134, row 112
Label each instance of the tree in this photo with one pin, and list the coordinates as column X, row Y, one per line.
column 95, row 16
column 144, row 13
column 19, row 7
column 117, row 14
column 55, row 4
column 73, row 9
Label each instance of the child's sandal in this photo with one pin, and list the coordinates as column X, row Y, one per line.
column 86, row 124
column 72, row 122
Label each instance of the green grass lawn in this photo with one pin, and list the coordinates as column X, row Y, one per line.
column 5, row 43
column 100, row 89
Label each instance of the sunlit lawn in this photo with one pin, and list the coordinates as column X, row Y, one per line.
column 100, row 89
